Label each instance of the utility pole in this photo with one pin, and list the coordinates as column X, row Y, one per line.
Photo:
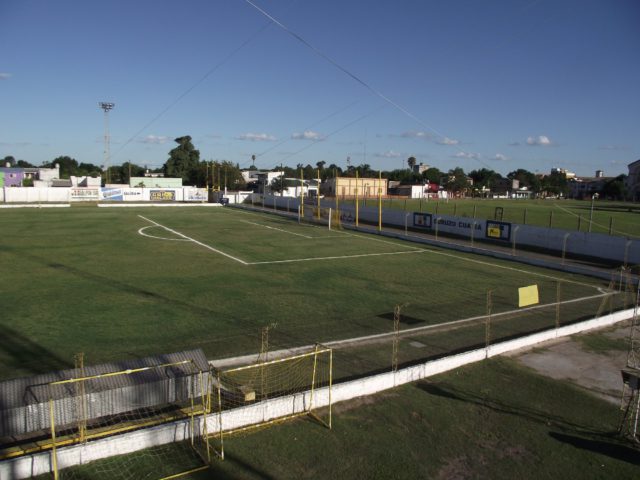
column 106, row 106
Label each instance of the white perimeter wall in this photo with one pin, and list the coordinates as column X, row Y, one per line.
column 37, row 464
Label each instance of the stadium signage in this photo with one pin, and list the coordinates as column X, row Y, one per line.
column 162, row 196
column 85, row 194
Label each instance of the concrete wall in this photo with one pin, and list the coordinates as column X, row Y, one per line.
column 37, row 464
column 597, row 245
column 98, row 194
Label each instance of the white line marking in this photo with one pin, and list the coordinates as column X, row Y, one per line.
column 141, row 232
column 195, row 241
column 311, row 259
column 274, row 228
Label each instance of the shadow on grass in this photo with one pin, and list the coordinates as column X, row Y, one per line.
column 579, row 436
column 603, row 446
column 540, row 417
column 238, row 469
column 25, row 354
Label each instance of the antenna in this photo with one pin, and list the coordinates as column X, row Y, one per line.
column 106, row 106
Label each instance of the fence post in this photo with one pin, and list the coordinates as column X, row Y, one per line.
column 626, row 252
column 437, row 223
column 474, row 211
column 610, row 225
column 579, row 221
column 473, row 229
column 558, row 284
column 487, row 327
column 550, row 218
column 524, row 217
column 513, row 247
column 406, row 222
column 564, row 246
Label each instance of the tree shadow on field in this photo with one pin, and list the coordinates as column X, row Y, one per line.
column 518, row 410
column 24, row 354
column 240, row 469
column 613, row 449
column 580, row 436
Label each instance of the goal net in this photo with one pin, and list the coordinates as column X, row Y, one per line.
column 268, row 392
column 160, row 409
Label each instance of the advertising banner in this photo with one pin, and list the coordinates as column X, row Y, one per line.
column 195, row 194
column 498, row 230
column 84, row 194
column 112, row 194
column 162, row 195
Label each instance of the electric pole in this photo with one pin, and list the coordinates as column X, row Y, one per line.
column 106, row 106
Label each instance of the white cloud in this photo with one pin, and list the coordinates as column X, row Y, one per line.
column 539, row 141
column 415, row 134
column 4, row 76
column 501, row 157
column 468, row 155
column 389, row 154
column 447, row 141
column 256, row 137
column 154, row 139
column 308, row 135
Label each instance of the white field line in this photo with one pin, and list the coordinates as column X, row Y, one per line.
column 311, row 259
column 141, row 232
column 251, row 358
column 482, row 262
column 274, row 228
column 220, row 252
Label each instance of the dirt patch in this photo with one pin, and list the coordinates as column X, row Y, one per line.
column 458, row 468
column 358, row 402
column 571, row 360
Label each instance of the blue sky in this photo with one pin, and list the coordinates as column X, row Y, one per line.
column 507, row 84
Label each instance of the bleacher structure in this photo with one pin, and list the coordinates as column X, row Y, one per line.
column 159, row 417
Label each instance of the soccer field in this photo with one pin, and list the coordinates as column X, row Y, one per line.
column 118, row 283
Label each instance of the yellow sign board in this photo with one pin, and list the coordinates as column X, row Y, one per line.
column 528, row 296
column 493, row 232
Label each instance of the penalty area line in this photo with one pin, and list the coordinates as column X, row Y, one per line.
column 220, row 252
column 338, row 257
column 274, row 228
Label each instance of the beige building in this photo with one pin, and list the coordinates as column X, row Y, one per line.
column 633, row 180
column 350, row 187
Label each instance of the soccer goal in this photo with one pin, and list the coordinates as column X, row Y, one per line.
column 265, row 393
column 141, row 423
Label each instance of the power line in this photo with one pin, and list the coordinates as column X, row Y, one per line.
column 359, row 80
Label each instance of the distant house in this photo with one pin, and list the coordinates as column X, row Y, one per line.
column 585, row 187
column 633, row 180
column 350, row 187
column 15, row 176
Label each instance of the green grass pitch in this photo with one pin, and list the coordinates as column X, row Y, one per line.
column 118, row 283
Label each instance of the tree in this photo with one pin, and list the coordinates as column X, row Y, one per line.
column 432, row 175
column 555, row 184
column 68, row 166
column 8, row 161
column 458, row 181
column 411, row 161
column 24, row 164
column 525, row 179
column 184, row 161
column 615, row 189
column 485, row 179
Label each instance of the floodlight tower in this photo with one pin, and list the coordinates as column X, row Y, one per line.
column 106, row 106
